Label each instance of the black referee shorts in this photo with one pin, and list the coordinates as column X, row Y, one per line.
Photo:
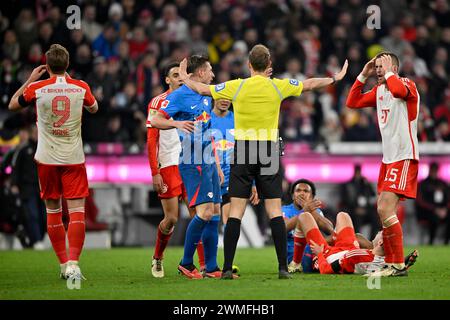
column 257, row 161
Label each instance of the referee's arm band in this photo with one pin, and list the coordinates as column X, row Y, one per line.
column 22, row 101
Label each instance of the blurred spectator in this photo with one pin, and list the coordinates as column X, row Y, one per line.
column 197, row 43
column 81, row 62
column 177, row 27
column 425, row 125
column 24, row 183
column 145, row 21
column 35, row 56
column 442, row 111
column 45, row 37
column 10, row 46
column 358, row 199
column 147, row 76
column 101, row 84
column 89, row 25
column 26, row 29
column 130, row 13
column 423, row 45
column 138, row 43
column 433, row 204
column 221, row 43
column 115, row 131
column 107, row 43
column 331, row 131
column 363, row 130
column 394, row 42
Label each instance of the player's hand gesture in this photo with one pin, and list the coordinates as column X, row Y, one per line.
column 268, row 72
column 254, row 198
column 386, row 63
column 158, row 183
column 37, row 73
column 340, row 75
column 310, row 205
column 369, row 68
column 185, row 126
column 315, row 248
column 183, row 75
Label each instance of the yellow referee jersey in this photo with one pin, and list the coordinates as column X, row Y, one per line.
column 256, row 104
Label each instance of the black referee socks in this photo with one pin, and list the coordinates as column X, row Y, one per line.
column 230, row 240
column 279, row 236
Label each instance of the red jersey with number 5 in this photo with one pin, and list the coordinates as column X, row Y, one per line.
column 59, row 105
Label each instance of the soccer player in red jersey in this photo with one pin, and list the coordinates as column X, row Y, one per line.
column 59, row 102
column 397, row 101
column 164, row 148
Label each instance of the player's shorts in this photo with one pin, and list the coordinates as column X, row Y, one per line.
column 201, row 182
column 251, row 163
column 225, row 199
column 68, row 181
column 400, row 178
column 173, row 184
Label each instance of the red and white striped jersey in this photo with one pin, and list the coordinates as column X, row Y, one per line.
column 349, row 258
column 397, row 102
column 59, row 105
column 163, row 145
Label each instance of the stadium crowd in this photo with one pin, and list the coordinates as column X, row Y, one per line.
column 122, row 46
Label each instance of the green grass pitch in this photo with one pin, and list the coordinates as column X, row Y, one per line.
column 125, row 274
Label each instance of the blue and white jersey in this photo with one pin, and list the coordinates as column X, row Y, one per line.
column 223, row 133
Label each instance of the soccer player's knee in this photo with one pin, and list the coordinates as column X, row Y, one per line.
column 343, row 216
column 305, row 216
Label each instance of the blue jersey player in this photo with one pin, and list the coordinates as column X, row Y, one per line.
column 303, row 200
column 222, row 122
column 200, row 171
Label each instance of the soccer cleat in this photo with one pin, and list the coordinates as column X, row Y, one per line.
column 227, row 275
column 157, row 268
column 388, row 271
column 217, row 274
column 190, row 272
column 411, row 258
column 62, row 273
column 283, row 274
column 73, row 271
column 294, row 267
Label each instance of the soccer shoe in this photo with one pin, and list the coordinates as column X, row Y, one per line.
column 157, row 268
column 217, row 274
column 388, row 271
column 62, row 273
column 294, row 267
column 283, row 274
column 73, row 271
column 411, row 258
column 190, row 272
column 227, row 275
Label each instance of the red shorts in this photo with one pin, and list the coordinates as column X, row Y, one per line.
column 172, row 183
column 400, row 178
column 68, row 181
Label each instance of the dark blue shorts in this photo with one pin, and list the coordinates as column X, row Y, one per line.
column 201, row 182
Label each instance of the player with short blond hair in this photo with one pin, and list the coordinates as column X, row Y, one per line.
column 397, row 101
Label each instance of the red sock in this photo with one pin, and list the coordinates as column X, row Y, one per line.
column 315, row 235
column 57, row 233
column 76, row 232
column 161, row 243
column 388, row 256
column 394, row 236
column 299, row 248
column 201, row 254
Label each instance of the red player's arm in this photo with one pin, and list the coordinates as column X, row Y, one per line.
column 357, row 99
column 396, row 86
column 324, row 266
column 152, row 149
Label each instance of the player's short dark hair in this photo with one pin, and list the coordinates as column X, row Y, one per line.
column 259, row 57
column 305, row 181
column 195, row 63
column 57, row 59
column 394, row 57
column 168, row 67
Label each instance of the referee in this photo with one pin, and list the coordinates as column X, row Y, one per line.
column 256, row 102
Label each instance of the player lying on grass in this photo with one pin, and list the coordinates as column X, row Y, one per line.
column 345, row 255
column 304, row 199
